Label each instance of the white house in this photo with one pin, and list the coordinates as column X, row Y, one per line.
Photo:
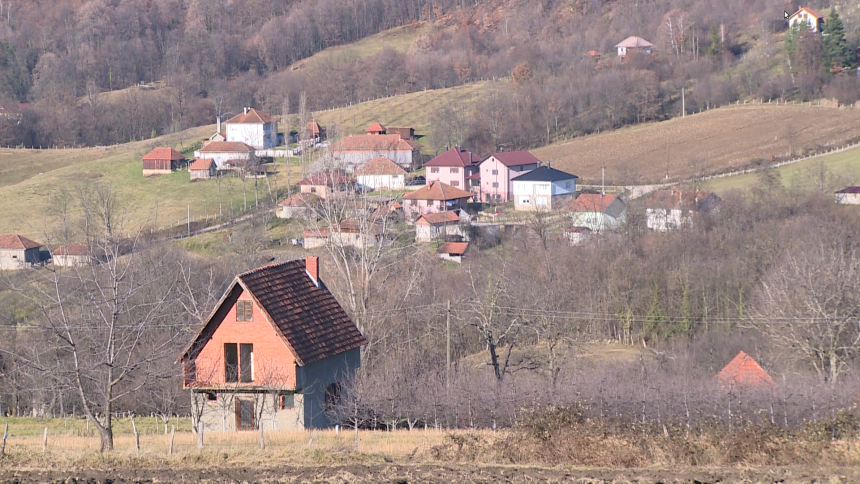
column 813, row 20
column 253, row 128
column 225, row 153
column 597, row 212
column 848, row 196
column 17, row 252
column 452, row 251
column 441, row 225
column 382, row 173
column 633, row 44
column 673, row 209
column 72, row 255
column 541, row 188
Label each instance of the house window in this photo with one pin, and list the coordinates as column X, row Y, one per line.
column 455, row 183
column 455, row 170
column 246, row 362
column 244, row 311
column 244, row 414
column 287, row 401
column 333, row 396
column 566, row 184
column 313, row 189
column 434, row 170
column 231, row 362
column 211, row 397
column 495, row 184
column 495, row 172
column 413, row 203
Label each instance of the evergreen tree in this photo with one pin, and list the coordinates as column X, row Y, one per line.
column 716, row 45
column 836, row 51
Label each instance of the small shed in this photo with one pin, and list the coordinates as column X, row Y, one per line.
column 298, row 205
column 633, row 44
column 18, row 252
column 72, row 255
column 848, row 196
column 376, row 128
column 452, row 251
column 162, row 160
column 203, row 169
column 430, row 226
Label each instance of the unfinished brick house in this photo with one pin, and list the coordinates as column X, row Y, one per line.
column 275, row 352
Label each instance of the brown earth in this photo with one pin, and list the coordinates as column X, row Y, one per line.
column 435, row 473
column 715, row 141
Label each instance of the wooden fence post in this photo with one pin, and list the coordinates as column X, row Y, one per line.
column 136, row 435
column 3, row 445
column 45, row 441
column 172, row 431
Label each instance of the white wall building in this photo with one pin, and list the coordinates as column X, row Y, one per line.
column 541, row 188
column 253, row 128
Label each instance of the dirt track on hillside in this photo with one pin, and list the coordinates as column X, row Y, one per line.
column 433, row 473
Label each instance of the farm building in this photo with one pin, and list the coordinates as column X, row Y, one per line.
column 805, row 16
column 381, row 172
column 673, row 209
column 632, row 45
column 543, row 188
column 327, row 183
column 441, row 225
column 848, row 196
column 405, row 132
column 226, row 153
column 313, row 131
column 203, row 169
column 498, row 170
column 744, row 371
column 455, row 167
column 162, row 160
column 375, row 128
column 253, row 128
column 18, row 252
column 597, row 212
column 452, row 251
column 435, row 197
column 275, row 352
column 297, row 206
column 355, row 150
column 72, row 255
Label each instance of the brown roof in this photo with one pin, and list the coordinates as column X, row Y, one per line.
column 375, row 142
column 634, row 42
column 376, row 128
column 380, row 165
column 202, row 164
column 807, row 10
column 437, row 218
column 252, row 117
column 515, row 158
column 591, row 202
column 743, row 370
column 15, row 241
column 310, row 320
column 314, row 128
column 71, row 249
column 226, row 147
column 437, row 191
column 455, row 248
column 164, row 154
column 327, row 178
column 455, row 156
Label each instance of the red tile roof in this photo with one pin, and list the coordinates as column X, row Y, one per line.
column 314, row 128
column 515, row 158
column 744, row 371
column 15, row 241
column 327, row 178
column 591, row 202
column 453, row 248
column 226, row 147
column 376, row 128
column 437, row 218
column 251, row 117
column 164, row 154
column 375, row 142
column 437, row 191
column 311, row 322
column 202, row 164
column 455, row 156
column 380, row 165
column 71, row 249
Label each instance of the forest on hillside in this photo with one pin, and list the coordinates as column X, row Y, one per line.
column 76, row 63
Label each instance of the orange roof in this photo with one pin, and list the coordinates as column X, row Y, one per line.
column 202, row 164
column 375, row 128
column 807, row 10
column 375, row 142
column 164, row 154
column 437, row 218
column 252, row 117
column 380, row 165
column 15, row 241
column 314, row 128
column 453, row 248
column 591, row 202
column 71, row 249
column 226, row 147
column 437, row 191
column 744, row 371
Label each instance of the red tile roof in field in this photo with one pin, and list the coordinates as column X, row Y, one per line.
column 164, row 154
column 375, row 142
column 380, row 165
column 251, row 117
column 437, row 191
column 455, row 156
column 327, row 178
column 202, row 164
column 226, row 147
column 17, row 242
column 515, row 158
column 308, row 318
column 437, row 218
column 376, row 128
column 453, row 248
column 591, row 202
column 742, row 371
column 71, row 249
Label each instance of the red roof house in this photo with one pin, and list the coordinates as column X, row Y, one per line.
column 356, row 150
column 435, row 197
column 203, row 169
column 277, row 344
column 18, row 252
column 375, row 128
column 744, row 371
column 455, row 167
column 452, row 251
column 807, row 17
column 253, row 128
column 327, row 183
column 162, row 160
column 499, row 169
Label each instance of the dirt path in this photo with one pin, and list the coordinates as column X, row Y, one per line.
column 433, row 473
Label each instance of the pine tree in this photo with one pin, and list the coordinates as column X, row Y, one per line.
column 836, row 51
column 716, row 46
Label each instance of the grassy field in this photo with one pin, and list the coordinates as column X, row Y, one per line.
column 710, row 142
column 837, row 171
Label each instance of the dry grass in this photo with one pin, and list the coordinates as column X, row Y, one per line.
column 713, row 141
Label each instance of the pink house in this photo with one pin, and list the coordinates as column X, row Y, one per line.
column 454, row 167
column 433, row 198
column 497, row 171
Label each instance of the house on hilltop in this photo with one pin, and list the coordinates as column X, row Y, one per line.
column 805, row 16
column 381, row 172
column 673, row 209
column 255, row 129
column 597, row 212
column 162, row 160
column 499, row 169
column 433, row 198
column 633, row 44
column 455, row 167
column 744, row 372
column 543, row 188
column 18, row 252
column 275, row 351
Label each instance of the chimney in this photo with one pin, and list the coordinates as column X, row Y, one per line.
column 245, row 111
column 548, row 164
column 218, row 122
column 312, row 267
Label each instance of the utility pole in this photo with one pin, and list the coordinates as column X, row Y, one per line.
column 188, row 221
column 667, row 158
column 448, row 347
column 602, row 181
column 683, row 104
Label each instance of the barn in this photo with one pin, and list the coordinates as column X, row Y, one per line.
column 162, row 160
